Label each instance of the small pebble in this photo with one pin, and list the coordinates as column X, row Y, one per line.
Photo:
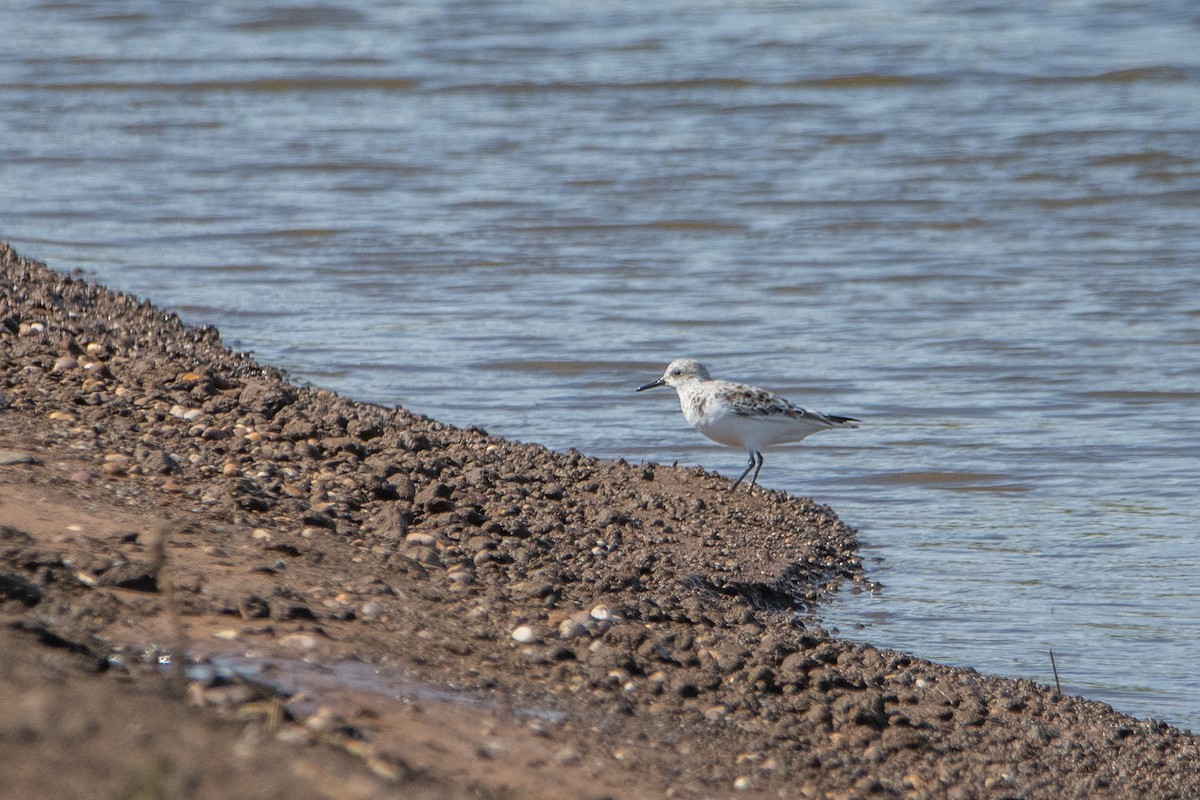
column 570, row 629
column 321, row 720
column 462, row 575
column 524, row 634
column 184, row 413
column 293, row 734
column 491, row 749
column 301, row 641
column 567, row 756
column 741, row 783
column 10, row 458
column 716, row 713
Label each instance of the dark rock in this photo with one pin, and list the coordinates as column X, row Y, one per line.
column 435, row 498
column 366, row 429
column 390, row 523
column 10, row 458
column 413, row 442
column 253, row 607
column 138, row 577
column 403, row 485
column 287, row 610
column 347, row 445
column 17, row 587
column 157, row 461
column 318, row 519
column 266, row 398
column 10, row 534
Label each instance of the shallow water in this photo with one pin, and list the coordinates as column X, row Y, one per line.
column 972, row 225
column 302, row 680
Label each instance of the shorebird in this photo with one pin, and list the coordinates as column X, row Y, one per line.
column 738, row 415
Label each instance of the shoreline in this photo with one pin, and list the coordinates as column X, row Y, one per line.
column 654, row 620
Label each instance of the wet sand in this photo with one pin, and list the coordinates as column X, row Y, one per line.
column 433, row 612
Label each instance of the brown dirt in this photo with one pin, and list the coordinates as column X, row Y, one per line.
column 368, row 568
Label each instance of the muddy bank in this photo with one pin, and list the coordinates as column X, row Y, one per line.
column 608, row 629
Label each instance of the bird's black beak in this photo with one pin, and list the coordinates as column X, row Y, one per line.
column 652, row 384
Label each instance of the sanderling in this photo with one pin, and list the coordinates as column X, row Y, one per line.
column 738, row 415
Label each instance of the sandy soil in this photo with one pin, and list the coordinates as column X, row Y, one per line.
column 372, row 604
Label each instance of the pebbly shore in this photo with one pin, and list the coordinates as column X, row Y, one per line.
column 602, row 629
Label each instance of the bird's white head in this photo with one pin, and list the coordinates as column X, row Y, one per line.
column 679, row 372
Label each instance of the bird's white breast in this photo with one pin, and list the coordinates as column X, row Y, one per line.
column 741, row 416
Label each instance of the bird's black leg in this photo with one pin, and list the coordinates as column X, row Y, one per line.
column 746, row 472
column 757, row 459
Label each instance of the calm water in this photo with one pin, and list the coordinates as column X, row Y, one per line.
column 975, row 225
